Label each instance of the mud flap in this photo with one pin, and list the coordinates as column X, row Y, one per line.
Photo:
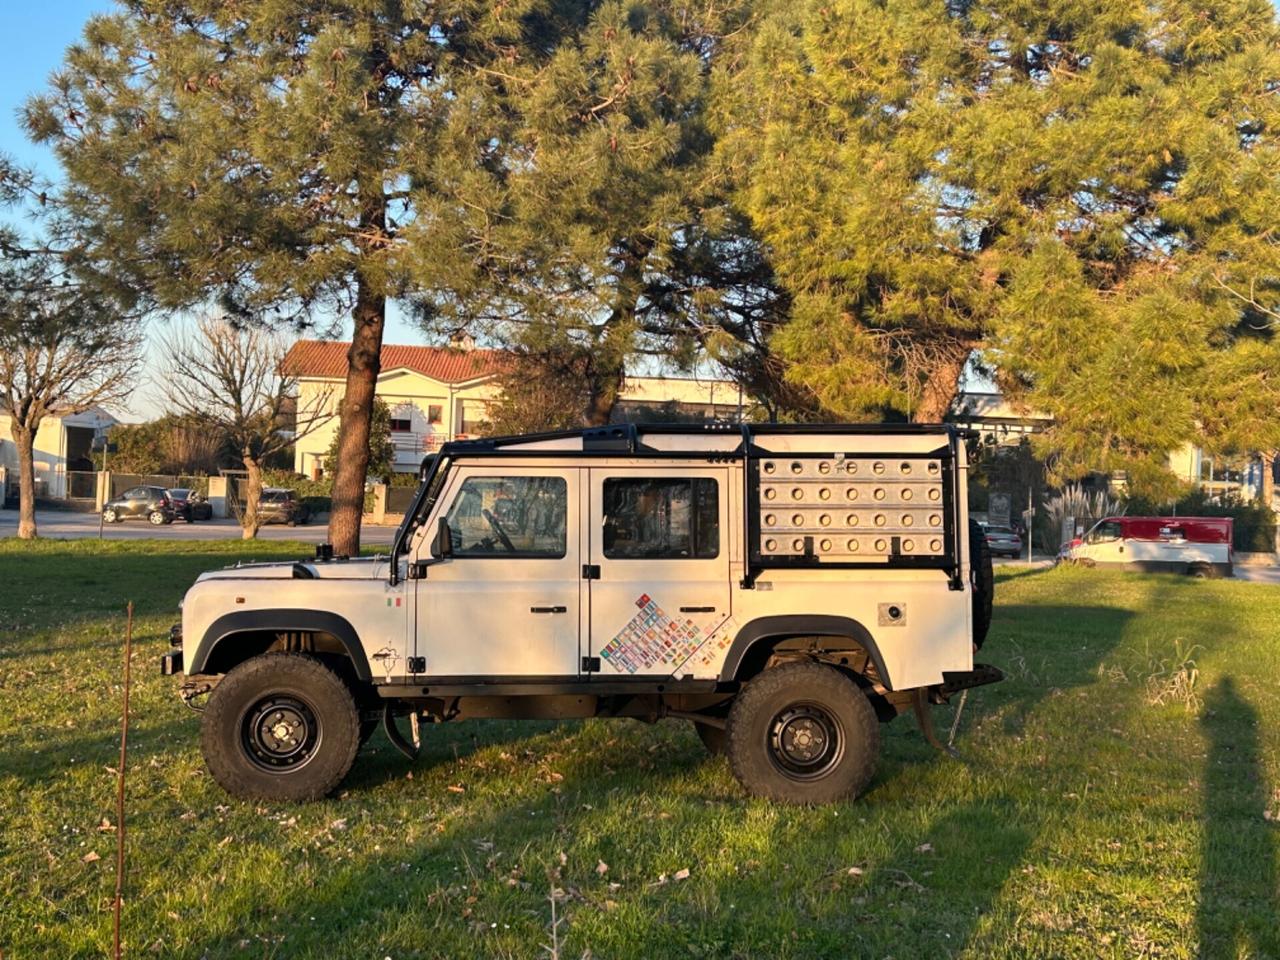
column 920, row 704
column 397, row 739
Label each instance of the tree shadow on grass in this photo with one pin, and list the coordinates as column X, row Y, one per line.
column 1239, row 911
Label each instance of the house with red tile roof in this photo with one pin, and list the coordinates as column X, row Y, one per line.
column 437, row 394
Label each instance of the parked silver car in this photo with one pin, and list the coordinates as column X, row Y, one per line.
column 1002, row 541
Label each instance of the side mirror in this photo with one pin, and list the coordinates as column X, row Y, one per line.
column 442, row 545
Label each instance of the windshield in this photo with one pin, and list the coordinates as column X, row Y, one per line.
column 413, row 520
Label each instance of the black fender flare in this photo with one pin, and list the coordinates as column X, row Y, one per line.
column 800, row 625
column 285, row 620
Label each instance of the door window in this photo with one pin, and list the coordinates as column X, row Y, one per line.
column 509, row 517
column 1105, row 532
column 661, row 518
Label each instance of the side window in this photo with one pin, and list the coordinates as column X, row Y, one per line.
column 660, row 518
column 1105, row 532
column 509, row 517
column 134, row 493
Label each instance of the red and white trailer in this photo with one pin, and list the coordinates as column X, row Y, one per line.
column 1199, row 546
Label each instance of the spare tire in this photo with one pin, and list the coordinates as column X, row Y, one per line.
column 982, row 582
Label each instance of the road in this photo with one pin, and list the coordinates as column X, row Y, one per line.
column 68, row 525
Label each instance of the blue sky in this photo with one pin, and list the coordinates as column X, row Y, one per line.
column 35, row 36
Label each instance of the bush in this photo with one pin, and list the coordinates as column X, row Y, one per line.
column 1255, row 524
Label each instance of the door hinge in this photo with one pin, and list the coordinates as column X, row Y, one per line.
column 590, row 664
column 416, row 665
column 591, row 571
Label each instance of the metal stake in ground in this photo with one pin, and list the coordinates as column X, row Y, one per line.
column 124, row 744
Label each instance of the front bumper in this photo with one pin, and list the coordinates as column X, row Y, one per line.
column 171, row 663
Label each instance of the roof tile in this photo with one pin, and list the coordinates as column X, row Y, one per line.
column 328, row 358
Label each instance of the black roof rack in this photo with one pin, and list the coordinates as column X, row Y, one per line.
column 629, row 437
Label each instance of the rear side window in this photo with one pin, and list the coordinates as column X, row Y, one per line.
column 661, row 518
column 509, row 517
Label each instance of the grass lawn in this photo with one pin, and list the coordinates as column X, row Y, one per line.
column 1107, row 804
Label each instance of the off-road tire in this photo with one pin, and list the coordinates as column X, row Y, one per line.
column 225, row 737
column 779, row 692
column 713, row 738
column 982, row 581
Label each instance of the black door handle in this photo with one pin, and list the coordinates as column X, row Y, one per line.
column 697, row 609
column 548, row 609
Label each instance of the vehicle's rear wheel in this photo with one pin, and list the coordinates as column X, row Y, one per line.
column 156, row 517
column 803, row 733
column 713, row 738
column 281, row 726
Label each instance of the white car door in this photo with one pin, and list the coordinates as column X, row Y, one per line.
column 1104, row 544
column 506, row 604
column 659, row 562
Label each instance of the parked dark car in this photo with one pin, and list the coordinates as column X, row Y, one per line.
column 281, row 506
column 152, row 504
column 189, row 505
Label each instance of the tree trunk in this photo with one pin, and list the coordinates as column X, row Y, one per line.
column 602, row 395
column 939, row 390
column 24, row 439
column 1267, row 488
column 249, row 522
column 364, row 361
column 608, row 361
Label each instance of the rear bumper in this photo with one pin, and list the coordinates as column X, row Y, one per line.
column 953, row 681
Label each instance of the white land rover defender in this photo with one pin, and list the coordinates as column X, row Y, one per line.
column 784, row 588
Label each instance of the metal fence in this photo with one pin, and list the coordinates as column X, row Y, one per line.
column 400, row 499
column 82, row 485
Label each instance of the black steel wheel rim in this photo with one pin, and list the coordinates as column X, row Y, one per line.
column 806, row 741
column 280, row 733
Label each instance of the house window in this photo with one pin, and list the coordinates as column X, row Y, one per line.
column 435, row 414
column 399, row 425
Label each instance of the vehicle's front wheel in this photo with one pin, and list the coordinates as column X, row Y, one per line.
column 803, row 733
column 110, row 516
column 281, row 726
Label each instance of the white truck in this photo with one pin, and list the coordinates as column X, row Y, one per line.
column 785, row 588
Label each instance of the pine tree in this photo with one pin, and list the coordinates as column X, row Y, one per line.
column 272, row 156
column 1084, row 192
column 594, row 230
